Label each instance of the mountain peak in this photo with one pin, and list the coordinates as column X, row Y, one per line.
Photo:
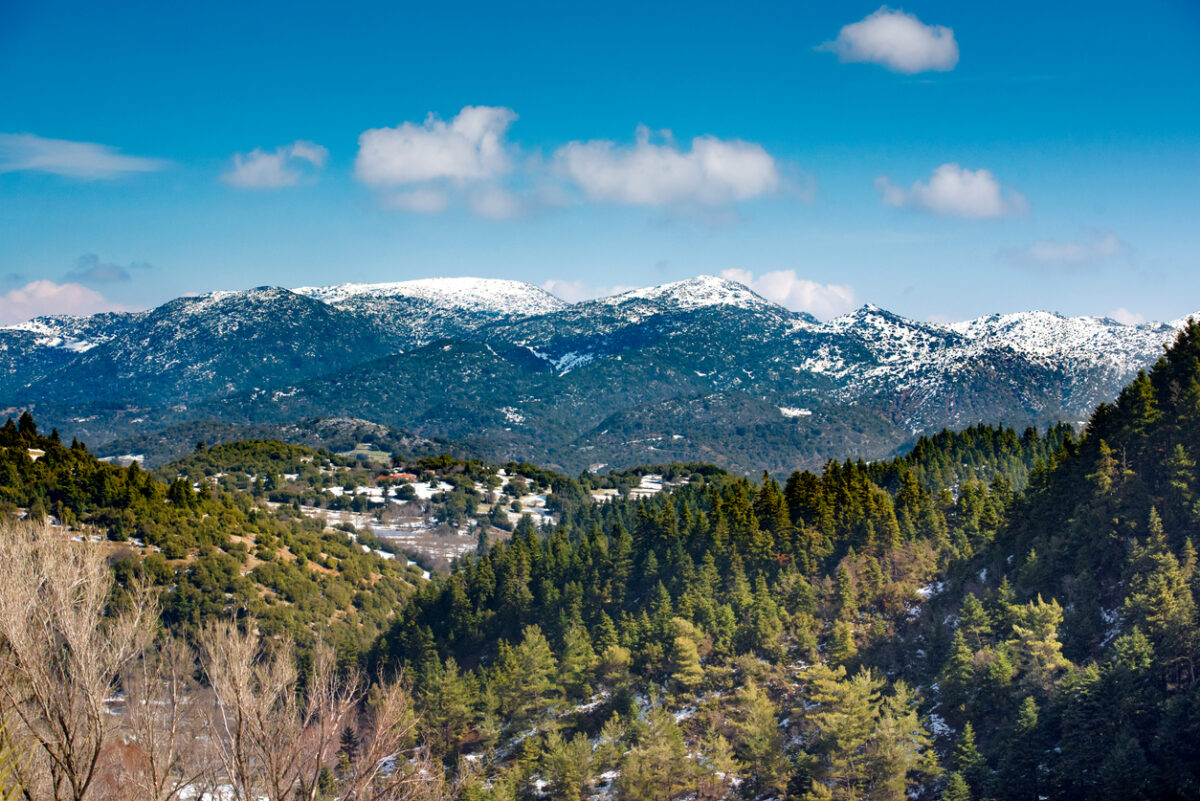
column 495, row 295
column 695, row 293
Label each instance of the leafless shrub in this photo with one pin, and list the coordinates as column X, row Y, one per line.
column 60, row 656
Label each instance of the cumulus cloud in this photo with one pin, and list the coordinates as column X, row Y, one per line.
column 957, row 192
column 86, row 160
column 471, row 147
column 714, row 172
column 898, row 41
column 575, row 291
column 38, row 298
column 285, row 166
column 1095, row 248
column 798, row 294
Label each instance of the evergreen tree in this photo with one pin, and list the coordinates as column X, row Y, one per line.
column 759, row 746
column 578, row 662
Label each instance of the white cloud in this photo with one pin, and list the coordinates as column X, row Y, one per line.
column 38, row 298
column 284, row 166
column 87, row 160
column 1126, row 317
column 1096, row 247
column 714, row 172
column 575, row 291
column 898, row 41
column 958, row 192
column 424, row 200
column 471, row 147
column 798, row 294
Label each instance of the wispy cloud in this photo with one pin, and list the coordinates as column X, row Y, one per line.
column 898, row 41
column 85, row 160
column 712, row 172
column 285, row 166
column 798, row 294
column 1093, row 249
column 423, row 200
column 89, row 269
column 39, row 298
column 957, row 192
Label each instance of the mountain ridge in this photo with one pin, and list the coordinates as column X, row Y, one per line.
column 422, row 356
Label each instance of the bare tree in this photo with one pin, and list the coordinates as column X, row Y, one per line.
column 254, row 714
column 165, row 724
column 332, row 701
column 272, row 740
column 60, row 656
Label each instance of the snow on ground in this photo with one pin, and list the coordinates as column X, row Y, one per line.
column 939, row 727
column 930, row 590
column 426, row 492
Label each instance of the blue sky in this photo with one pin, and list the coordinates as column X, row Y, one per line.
column 944, row 160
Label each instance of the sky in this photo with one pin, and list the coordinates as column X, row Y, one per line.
column 944, row 160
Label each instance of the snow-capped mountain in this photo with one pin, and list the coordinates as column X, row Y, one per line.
column 1052, row 338
column 699, row 369
column 694, row 293
column 488, row 295
column 210, row 345
column 76, row 334
column 421, row 311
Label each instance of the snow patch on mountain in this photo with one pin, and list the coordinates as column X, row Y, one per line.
column 1046, row 337
column 497, row 296
column 70, row 333
column 695, row 293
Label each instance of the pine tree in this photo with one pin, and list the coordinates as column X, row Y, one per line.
column 568, row 765
column 847, row 595
column 842, row 648
column 968, row 762
column 759, row 744
column 900, row 755
column 958, row 673
column 975, row 622
column 719, row 767
column 686, row 670
column 771, row 509
column 446, row 703
column 840, row 716
column 956, row 788
column 1020, row 774
column 1036, row 645
column 1159, row 599
column 658, row 768
column 578, row 662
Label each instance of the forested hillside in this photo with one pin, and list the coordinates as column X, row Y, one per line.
column 871, row 631
column 214, row 549
column 995, row 615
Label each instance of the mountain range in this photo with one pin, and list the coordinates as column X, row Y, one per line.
column 697, row 370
